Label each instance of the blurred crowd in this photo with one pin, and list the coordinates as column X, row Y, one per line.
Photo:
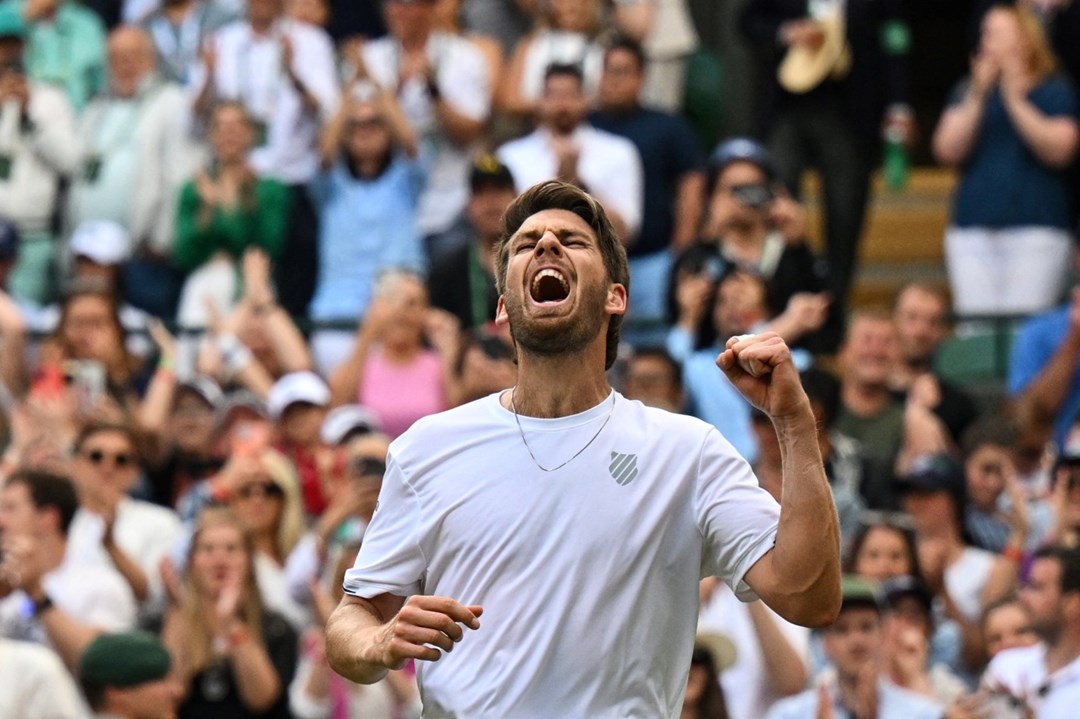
column 246, row 244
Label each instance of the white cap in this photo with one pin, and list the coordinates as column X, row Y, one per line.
column 296, row 387
column 101, row 241
column 346, row 419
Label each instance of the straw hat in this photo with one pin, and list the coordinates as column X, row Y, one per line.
column 720, row 646
column 804, row 68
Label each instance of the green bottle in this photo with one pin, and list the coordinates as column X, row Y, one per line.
column 895, row 163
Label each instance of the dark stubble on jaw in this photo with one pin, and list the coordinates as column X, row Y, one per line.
column 570, row 335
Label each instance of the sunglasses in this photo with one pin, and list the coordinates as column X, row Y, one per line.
column 98, row 457
column 260, row 489
column 893, row 520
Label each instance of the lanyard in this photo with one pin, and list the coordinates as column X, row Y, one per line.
column 179, row 44
column 478, row 289
column 124, row 132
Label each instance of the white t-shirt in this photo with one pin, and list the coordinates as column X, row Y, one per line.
column 965, row 579
column 588, row 575
column 746, row 687
column 144, row 531
column 609, row 165
column 36, row 684
column 1022, row 672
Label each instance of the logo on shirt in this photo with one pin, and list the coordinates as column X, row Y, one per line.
column 623, row 467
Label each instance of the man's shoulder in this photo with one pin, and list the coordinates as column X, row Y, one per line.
column 152, row 515
column 435, row 428
column 232, row 31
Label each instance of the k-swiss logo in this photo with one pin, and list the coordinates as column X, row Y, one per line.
column 623, row 467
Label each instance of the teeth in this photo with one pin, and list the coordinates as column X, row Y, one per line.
column 550, row 273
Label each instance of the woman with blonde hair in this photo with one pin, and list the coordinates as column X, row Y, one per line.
column 233, row 656
column 1012, row 131
column 265, row 496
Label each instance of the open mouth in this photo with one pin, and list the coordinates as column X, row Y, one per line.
column 549, row 286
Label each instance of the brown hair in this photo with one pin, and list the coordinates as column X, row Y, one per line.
column 1040, row 60
column 557, row 195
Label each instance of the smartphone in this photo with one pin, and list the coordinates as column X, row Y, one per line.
column 87, row 377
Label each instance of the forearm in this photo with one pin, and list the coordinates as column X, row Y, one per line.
column 1053, row 140
column 1046, row 393
column 13, row 360
column 257, row 681
column 689, row 207
column 461, row 130
column 289, row 345
column 157, row 404
column 68, row 637
column 958, row 129
column 351, row 636
column 345, row 379
column 807, row 551
column 129, row 570
column 785, row 669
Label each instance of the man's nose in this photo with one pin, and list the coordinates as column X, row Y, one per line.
column 548, row 243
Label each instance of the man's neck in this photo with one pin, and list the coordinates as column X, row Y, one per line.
column 1064, row 650
column 745, row 242
column 864, row 400
column 262, row 26
column 415, row 41
column 176, row 12
column 559, row 386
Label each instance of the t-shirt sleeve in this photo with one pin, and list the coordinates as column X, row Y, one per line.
column 736, row 517
column 390, row 560
column 1030, row 353
column 1056, row 98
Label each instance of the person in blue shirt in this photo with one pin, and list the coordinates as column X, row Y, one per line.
column 366, row 197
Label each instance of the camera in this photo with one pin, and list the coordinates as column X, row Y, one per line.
column 754, row 196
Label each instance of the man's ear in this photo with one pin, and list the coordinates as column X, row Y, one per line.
column 501, row 317
column 616, row 300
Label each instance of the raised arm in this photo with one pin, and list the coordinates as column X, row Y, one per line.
column 799, row 578
column 959, row 125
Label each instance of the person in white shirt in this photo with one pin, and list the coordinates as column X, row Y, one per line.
column 1045, row 678
column 566, row 147
column 137, row 150
column 38, row 148
column 36, row 684
column 576, row 522
column 46, row 596
column 111, row 529
column 284, row 73
column 443, row 85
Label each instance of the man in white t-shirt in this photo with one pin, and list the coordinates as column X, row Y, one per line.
column 578, row 523
column 565, row 146
column 1045, row 678
column 46, row 596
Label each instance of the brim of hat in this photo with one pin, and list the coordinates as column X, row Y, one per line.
column 803, row 69
column 723, row 650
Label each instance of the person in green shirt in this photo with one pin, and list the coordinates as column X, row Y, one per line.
column 66, row 47
column 223, row 211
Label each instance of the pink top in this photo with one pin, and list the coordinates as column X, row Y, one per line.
column 401, row 394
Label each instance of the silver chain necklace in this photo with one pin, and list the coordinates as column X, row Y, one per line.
column 524, row 441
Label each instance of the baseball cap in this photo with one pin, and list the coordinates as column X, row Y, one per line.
column 235, row 402
column 932, row 473
column 858, row 592
column 488, row 171
column 124, row 660
column 739, row 149
column 12, row 23
column 205, row 388
column 102, row 242
column 346, row 420
column 9, row 238
column 907, row 586
column 296, row 387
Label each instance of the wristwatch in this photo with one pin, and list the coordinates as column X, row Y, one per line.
column 42, row 605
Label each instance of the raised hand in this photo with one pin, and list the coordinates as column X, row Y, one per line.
column 424, row 626
column 760, row 367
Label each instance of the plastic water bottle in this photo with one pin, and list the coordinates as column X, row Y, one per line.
column 895, row 163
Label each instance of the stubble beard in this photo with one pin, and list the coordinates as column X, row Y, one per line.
column 569, row 335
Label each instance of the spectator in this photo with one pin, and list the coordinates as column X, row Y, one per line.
column 854, row 646
column 566, row 35
column 390, row 371
column 233, row 656
column 704, row 698
column 666, row 32
column 444, row 88
column 1064, row 497
column 566, row 147
column 483, row 361
column 38, row 150
column 1031, row 675
column 283, row 72
column 69, row 602
column 999, row 516
column 298, row 404
column 448, row 18
column 111, row 529
column 366, row 197
column 66, row 47
column 1006, row 624
column 883, row 547
column 313, row 12
column 843, row 117
column 463, row 281
column 751, row 224
column 345, row 423
column 179, row 29
column 224, row 211
column 654, row 378
column 126, row 676
column 673, row 183
column 921, row 313
column 37, row 686
column 265, row 496
column 1016, row 118
column 137, row 151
